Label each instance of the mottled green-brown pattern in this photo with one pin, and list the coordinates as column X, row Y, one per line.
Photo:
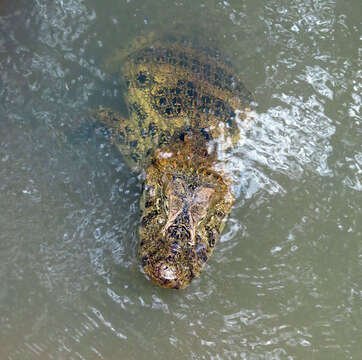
column 182, row 105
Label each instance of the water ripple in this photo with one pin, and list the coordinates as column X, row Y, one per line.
column 284, row 281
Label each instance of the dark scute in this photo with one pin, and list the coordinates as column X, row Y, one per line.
column 205, row 134
column 121, row 135
column 172, row 61
column 220, row 104
column 202, row 255
column 137, row 109
column 212, row 241
column 135, row 157
column 211, row 237
column 178, row 233
column 164, row 136
column 142, row 78
column 175, row 247
column 185, row 217
column 147, row 218
column 142, row 131
column 176, row 100
column 205, row 99
column 192, row 187
column 152, row 129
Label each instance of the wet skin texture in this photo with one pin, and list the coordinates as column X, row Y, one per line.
column 182, row 105
column 185, row 203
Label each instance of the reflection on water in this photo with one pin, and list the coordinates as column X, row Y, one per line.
column 284, row 281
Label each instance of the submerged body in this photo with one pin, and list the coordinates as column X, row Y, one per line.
column 185, row 106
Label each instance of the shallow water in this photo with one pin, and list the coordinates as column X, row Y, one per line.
column 285, row 280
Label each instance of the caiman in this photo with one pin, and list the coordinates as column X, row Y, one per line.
column 186, row 109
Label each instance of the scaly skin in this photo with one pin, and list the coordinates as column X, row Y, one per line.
column 182, row 105
column 185, row 204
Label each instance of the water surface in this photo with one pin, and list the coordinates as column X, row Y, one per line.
column 285, row 279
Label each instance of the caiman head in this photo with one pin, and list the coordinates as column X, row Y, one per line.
column 185, row 203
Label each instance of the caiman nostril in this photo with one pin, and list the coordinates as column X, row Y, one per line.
column 167, row 271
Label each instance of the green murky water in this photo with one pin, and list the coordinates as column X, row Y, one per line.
column 285, row 281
